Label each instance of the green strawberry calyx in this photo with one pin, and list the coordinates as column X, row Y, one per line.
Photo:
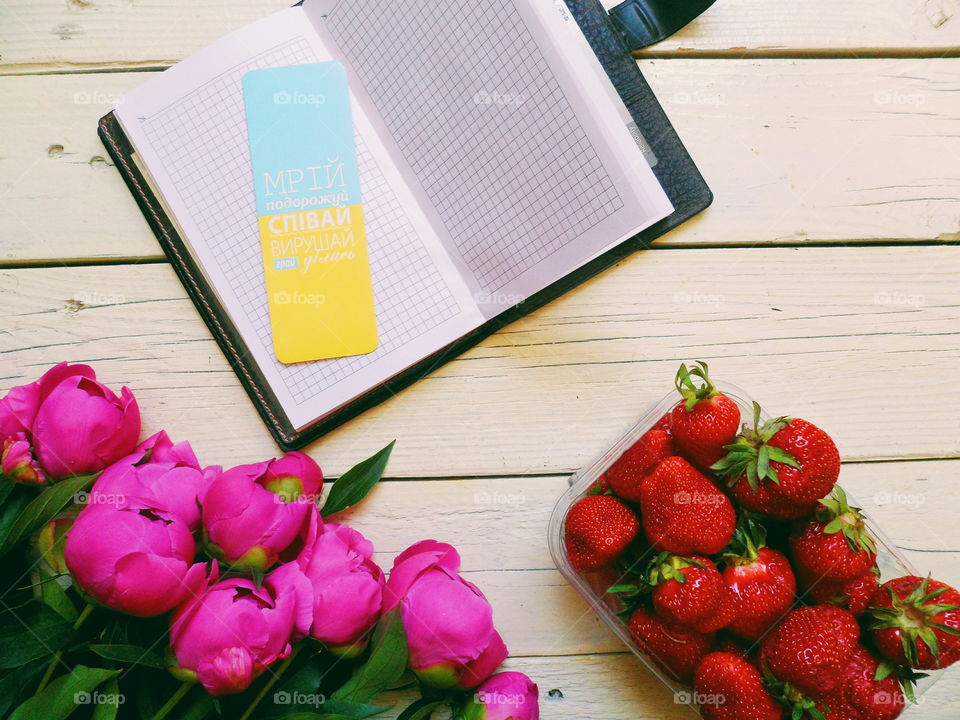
column 749, row 538
column 691, row 392
column 751, row 455
column 666, row 567
column 841, row 517
column 797, row 704
column 914, row 616
column 907, row 678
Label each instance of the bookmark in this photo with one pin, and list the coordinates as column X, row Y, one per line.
column 307, row 184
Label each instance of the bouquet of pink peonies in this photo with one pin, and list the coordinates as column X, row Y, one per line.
column 138, row 583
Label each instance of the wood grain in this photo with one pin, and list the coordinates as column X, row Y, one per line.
column 109, row 34
column 820, row 152
column 860, row 340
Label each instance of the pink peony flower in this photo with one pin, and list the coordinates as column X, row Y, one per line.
column 253, row 513
column 231, row 631
column 76, row 425
column 17, row 462
column 448, row 621
column 505, row 696
column 158, row 476
column 347, row 587
column 132, row 560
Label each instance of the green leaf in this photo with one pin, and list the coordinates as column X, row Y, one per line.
column 56, row 597
column 384, row 667
column 64, row 695
column 356, row 482
column 358, row 711
column 43, row 508
column 132, row 654
column 421, row 709
column 108, row 710
column 12, row 506
column 31, row 632
column 6, row 487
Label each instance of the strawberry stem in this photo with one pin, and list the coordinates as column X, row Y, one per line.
column 689, row 390
column 751, row 456
column 841, row 517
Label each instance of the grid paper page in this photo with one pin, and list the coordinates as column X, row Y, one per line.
column 482, row 120
column 206, row 129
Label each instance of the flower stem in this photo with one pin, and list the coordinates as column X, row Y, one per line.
column 174, row 699
column 270, row 683
column 59, row 654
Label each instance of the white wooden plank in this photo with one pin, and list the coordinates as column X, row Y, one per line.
column 860, row 340
column 795, row 151
column 851, row 29
column 64, row 35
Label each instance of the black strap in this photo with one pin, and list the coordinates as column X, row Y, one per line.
column 645, row 22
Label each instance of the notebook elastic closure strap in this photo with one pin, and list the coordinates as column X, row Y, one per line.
column 645, row 22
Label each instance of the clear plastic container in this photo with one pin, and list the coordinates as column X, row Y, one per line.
column 592, row 586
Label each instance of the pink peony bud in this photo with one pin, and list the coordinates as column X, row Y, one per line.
column 76, row 425
column 253, row 513
column 505, row 696
column 347, row 587
column 159, row 476
column 133, row 560
column 231, row 631
column 448, row 621
column 19, row 408
column 17, row 463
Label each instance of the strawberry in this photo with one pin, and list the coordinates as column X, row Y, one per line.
column 729, row 643
column 835, row 546
column 810, row 648
column 597, row 530
column 723, row 616
column 675, row 649
column 639, row 460
column 781, row 468
column 689, row 591
column 663, row 424
column 853, row 595
column 683, row 512
column 705, row 421
column 916, row 622
column 600, row 487
column 728, row 687
column 760, row 580
column 869, row 687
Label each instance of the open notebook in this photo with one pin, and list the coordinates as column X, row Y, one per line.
column 499, row 163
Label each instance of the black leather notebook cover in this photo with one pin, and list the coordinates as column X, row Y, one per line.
column 675, row 170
